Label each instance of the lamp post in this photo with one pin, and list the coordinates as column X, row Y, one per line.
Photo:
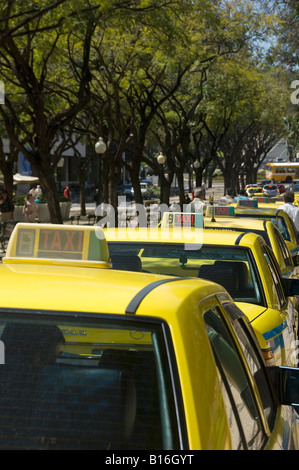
column 59, row 176
column 100, row 149
column 161, row 158
column 196, row 164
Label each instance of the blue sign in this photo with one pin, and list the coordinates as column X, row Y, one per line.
column 25, row 167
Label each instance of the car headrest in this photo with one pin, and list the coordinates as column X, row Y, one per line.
column 235, row 268
column 213, row 273
column 126, row 262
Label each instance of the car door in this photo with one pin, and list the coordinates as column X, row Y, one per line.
column 255, row 421
column 287, row 333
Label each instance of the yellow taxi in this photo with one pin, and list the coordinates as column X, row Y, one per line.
column 243, row 263
column 225, row 219
column 252, row 190
column 100, row 359
column 280, row 218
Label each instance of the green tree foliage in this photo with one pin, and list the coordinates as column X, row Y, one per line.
column 146, row 75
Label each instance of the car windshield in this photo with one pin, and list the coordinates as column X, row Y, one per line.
column 231, row 267
column 271, row 187
column 295, row 187
column 83, row 383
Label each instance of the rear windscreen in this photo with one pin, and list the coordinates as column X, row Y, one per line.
column 233, row 267
column 85, row 385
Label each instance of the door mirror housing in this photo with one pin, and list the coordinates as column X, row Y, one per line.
column 286, row 384
column 291, row 286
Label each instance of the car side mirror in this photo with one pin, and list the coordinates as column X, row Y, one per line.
column 291, row 286
column 296, row 260
column 286, row 383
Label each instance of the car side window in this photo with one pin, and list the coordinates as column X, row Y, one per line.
column 275, row 276
column 254, row 360
column 283, row 248
column 295, row 233
column 239, row 400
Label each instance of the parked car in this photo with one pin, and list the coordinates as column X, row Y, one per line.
column 264, row 182
column 101, row 358
column 271, row 190
column 146, row 190
column 252, row 191
column 125, row 190
column 281, row 188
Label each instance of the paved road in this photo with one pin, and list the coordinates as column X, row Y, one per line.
column 216, row 191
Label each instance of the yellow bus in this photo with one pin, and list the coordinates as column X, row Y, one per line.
column 285, row 172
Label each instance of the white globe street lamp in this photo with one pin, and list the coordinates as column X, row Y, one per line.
column 60, row 163
column 100, row 148
column 161, row 158
column 196, row 164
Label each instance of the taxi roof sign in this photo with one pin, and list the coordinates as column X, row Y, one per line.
column 247, row 203
column 182, row 219
column 268, row 199
column 58, row 244
column 224, row 211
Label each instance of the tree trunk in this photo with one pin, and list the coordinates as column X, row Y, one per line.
column 7, row 171
column 164, row 188
column 180, row 177
column 136, row 185
column 48, row 184
column 82, row 190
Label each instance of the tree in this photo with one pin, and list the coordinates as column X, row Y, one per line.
column 28, row 66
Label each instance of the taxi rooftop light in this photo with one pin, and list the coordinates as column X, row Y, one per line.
column 247, row 203
column 267, row 199
column 182, row 219
column 224, row 211
column 53, row 244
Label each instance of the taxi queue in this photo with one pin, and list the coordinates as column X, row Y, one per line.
column 113, row 345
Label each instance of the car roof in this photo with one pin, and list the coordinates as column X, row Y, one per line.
column 247, row 223
column 261, row 209
column 192, row 236
column 74, row 289
column 40, row 282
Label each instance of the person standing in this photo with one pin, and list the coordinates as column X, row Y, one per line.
column 30, row 208
column 38, row 192
column 242, row 196
column 97, row 197
column 6, row 207
column 198, row 204
column 290, row 208
column 67, row 193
